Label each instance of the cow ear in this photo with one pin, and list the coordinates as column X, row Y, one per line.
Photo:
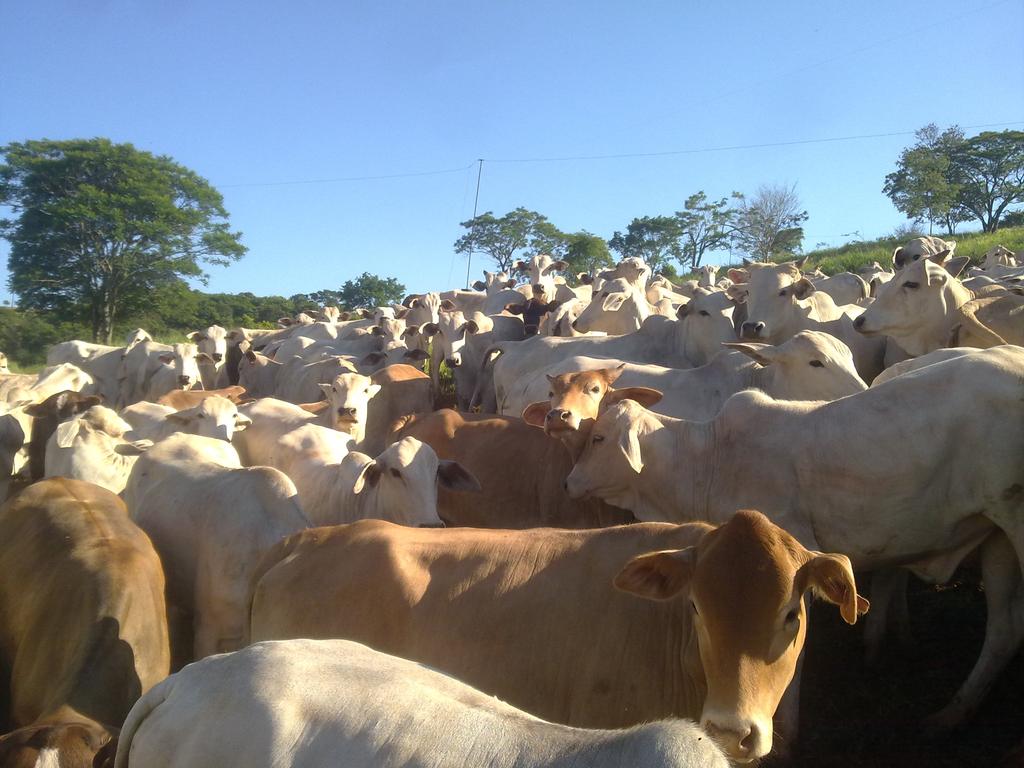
column 373, row 358
column 166, row 359
column 658, row 575
column 204, row 358
column 611, row 375
column 585, row 278
column 326, row 389
column 873, row 287
column 800, row 262
column 181, row 417
column 510, row 284
column 372, row 390
column 285, row 321
column 133, row 449
column 456, row 477
column 739, row 275
column 401, row 313
column 737, row 293
column 956, row 266
column 831, row 578
column 613, row 302
column 940, row 257
column 448, row 305
column 36, row 410
column 67, row 432
column 629, row 444
column 376, row 331
column 429, row 329
column 479, row 285
column 410, row 331
column 369, row 476
column 535, row 413
column 896, row 257
column 559, row 265
column 242, row 421
column 470, row 326
column 683, row 311
column 762, row 353
column 416, row 355
column 803, row 288
column 645, row 396
column 520, row 266
column 195, row 336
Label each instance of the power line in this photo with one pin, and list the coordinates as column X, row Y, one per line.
column 731, row 147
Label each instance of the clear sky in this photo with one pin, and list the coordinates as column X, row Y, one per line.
column 259, row 96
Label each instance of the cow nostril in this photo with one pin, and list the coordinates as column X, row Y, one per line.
column 748, row 742
column 217, row 357
column 759, row 327
column 564, row 415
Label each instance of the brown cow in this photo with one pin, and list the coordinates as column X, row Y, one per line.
column 83, row 624
column 531, row 616
column 183, row 399
column 521, row 472
column 45, row 418
column 405, row 392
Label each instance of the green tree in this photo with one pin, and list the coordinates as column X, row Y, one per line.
column 655, row 239
column 99, row 226
column 586, row 252
column 989, row 171
column 368, row 291
column 502, row 239
column 770, row 223
column 922, row 187
column 705, row 225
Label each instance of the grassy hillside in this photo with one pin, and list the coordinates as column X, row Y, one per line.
column 850, row 257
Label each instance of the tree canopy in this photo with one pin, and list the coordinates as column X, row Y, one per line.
column 504, row 239
column 365, row 291
column 947, row 178
column 769, row 223
column 99, row 226
column 655, row 239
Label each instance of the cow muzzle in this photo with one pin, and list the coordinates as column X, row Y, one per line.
column 559, row 419
column 742, row 741
column 752, row 330
column 184, row 381
column 217, row 357
column 453, row 362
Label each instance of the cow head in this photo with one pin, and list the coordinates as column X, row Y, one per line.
column 541, row 270
column 349, row 398
column 185, row 359
column 68, row 745
column 404, row 479
column 745, row 583
column 775, row 295
column 912, row 308
column 215, row 417
column 705, row 323
column 212, row 341
column 452, row 331
column 813, row 366
column 918, row 248
column 575, row 400
column 616, row 308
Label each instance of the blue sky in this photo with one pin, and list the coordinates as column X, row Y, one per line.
column 253, row 94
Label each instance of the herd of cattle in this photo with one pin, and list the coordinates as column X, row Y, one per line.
column 613, row 531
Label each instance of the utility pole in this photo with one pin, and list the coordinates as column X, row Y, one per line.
column 476, row 200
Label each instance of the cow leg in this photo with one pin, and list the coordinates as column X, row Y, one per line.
column 1004, row 629
column 888, row 608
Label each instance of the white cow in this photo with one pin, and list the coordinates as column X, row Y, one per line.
column 348, row 397
column 213, row 342
column 100, row 361
column 215, row 417
column 93, row 447
column 843, row 476
column 810, row 366
column 703, row 325
column 4, row 368
column 150, row 370
column 371, row 710
column 922, row 308
column 400, row 485
column 271, row 420
column 929, row 245
column 211, row 520
column 618, row 308
column 844, row 287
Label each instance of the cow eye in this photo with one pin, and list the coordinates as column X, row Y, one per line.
column 782, row 292
column 334, row 389
column 705, row 313
column 817, row 364
column 396, row 473
column 792, row 616
column 202, row 415
column 595, row 390
column 597, row 439
column 911, row 285
column 551, row 394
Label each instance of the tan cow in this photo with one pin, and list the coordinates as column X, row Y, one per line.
column 532, row 617
column 83, row 627
column 925, row 304
column 521, row 472
column 180, row 399
column 405, row 392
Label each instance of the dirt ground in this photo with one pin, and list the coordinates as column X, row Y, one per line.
column 855, row 717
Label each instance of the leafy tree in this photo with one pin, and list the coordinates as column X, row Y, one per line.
column 503, row 238
column 770, row 223
column 368, row 291
column 922, row 186
column 586, row 252
column 705, row 225
column 655, row 239
column 989, row 170
column 99, row 226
